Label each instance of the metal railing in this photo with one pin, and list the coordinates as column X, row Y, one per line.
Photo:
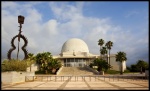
column 87, row 78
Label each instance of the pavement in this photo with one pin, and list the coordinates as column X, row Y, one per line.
column 80, row 83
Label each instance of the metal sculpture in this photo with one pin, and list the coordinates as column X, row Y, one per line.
column 20, row 21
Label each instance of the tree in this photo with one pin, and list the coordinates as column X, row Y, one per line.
column 142, row 65
column 120, row 57
column 103, row 51
column 101, row 64
column 100, row 42
column 54, row 64
column 134, row 68
column 43, row 59
column 109, row 44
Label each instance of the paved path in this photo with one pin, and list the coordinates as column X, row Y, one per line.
column 81, row 84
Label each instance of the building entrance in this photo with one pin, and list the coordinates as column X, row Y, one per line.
column 74, row 62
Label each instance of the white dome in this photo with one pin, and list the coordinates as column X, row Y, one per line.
column 74, row 45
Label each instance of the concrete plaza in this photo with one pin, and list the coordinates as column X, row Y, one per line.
column 80, row 83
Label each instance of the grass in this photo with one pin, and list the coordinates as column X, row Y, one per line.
column 127, row 71
column 112, row 72
column 117, row 72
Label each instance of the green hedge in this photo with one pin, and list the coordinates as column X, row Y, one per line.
column 14, row 65
column 39, row 72
column 112, row 72
column 126, row 71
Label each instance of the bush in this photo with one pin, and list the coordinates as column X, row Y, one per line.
column 147, row 68
column 14, row 65
column 134, row 68
column 39, row 72
column 112, row 72
column 43, row 72
column 91, row 65
column 126, row 71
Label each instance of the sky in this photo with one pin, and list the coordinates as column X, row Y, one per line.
column 48, row 25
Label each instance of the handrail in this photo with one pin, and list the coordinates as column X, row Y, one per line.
column 87, row 78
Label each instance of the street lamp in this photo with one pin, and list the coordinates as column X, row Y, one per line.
column 20, row 19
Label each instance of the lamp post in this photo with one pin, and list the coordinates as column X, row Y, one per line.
column 20, row 21
column 19, row 35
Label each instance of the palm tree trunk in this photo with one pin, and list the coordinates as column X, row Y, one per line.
column 141, row 70
column 99, row 69
column 46, row 71
column 30, row 68
column 100, row 51
column 109, row 58
column 53, row 70
column 121, row 72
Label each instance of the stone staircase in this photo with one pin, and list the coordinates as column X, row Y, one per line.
column 75, row 71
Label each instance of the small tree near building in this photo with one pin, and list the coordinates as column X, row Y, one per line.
column 120, row 57
column 142, row 65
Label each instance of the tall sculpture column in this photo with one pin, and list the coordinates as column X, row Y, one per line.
column 20, row 21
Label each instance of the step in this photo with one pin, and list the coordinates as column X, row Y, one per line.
column 75, row 71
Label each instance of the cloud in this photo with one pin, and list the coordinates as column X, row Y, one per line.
column 51, row 27
column 131, row 14
column 68, row 22
column 10, row 5
column 91, row 29
column 65, row 11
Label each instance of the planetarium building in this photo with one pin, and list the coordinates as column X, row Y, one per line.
column 75, row 53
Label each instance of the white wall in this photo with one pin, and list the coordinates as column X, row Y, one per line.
column 60, row 69
column 34, row 67
column 117, row 65
column 124, row 65
column 146, row 72
column 114, row 64
column 15, row 77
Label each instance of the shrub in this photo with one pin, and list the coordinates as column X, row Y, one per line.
column 43, row 72
column 112, row 72
column 39, row 72
column 91, row 65
column 147, row 68
column 14, row 65
column 126, row 71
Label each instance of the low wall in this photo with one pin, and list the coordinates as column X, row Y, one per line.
column 34, row 67
column 146, row 72
column 96, row 72
column 59, row 70
column 14, row 77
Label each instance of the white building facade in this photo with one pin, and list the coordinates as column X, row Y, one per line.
column 75, row 53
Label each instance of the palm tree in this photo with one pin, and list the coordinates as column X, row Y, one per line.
column 43, row 59
column 103, row 51
column 142, row 65
column 120, row 57
column 54, row 64
column 100, row 42
column 109, row 44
